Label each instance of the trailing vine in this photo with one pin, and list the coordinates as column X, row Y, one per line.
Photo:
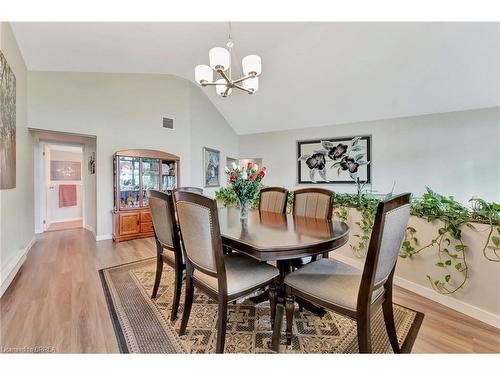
column 450, row 249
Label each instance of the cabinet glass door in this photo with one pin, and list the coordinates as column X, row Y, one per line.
column 129, row 181
column 168, row 175
column 150, row 177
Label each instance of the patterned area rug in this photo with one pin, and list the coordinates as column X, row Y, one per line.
column 142, row 324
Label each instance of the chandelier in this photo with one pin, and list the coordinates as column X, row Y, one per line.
column 220, row 64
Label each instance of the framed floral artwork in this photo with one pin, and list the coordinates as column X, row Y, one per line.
column 211, row 167
column 341, row 160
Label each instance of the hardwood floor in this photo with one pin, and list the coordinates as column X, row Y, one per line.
column 73, row 224
column 56, row 301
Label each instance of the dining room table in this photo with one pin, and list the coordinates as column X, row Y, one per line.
column 280, row 238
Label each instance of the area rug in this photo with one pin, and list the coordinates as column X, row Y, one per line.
column 142, row 324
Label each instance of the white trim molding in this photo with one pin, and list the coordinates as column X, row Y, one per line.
column 10, row 270
column 65, row 220
column 103, row 237
column 90, row 229
column 455, row 304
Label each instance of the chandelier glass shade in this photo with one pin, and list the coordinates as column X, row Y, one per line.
column 218, row 74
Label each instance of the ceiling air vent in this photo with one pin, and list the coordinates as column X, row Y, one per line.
column 168, row 123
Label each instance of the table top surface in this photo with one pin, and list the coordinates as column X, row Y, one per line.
column 269, row 236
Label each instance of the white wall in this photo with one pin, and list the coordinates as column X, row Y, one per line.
column 209, row 129
column 16, row 205
column 54, row 212
column 454, row 153
column 125, row 111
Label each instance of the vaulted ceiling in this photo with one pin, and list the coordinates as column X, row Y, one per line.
column 313, row 73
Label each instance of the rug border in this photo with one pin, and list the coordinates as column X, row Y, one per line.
column 406, row 347
column 119, row 335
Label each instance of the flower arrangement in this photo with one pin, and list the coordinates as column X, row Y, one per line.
column 245, row 182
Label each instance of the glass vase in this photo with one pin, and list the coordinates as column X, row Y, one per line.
column 243, row 208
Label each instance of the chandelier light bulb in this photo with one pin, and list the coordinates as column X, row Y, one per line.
column 203, row 74
column 252, row 65
column 251, row 84
column 219, row 58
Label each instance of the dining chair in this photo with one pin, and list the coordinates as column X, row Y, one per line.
column 316, row 203
column 223, row 277
column 357, row 294
column 273, row 199
column 168, row 244
column 313, row 202
column 192, row 189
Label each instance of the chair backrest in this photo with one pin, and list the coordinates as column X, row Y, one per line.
column 192, row 189
column 313, row 202
column 273, row 199
column 163, row 215
column 200, row 232
column 387, row 236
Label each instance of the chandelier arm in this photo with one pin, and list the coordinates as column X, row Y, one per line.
column 215, row 84
column 227, row 91
column 243, row 89
column 223, row 75
column 244, row 78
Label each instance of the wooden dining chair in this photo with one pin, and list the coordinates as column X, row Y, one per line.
column 313, row 202
column 273, row 199
column 191, row 189
column 316, row 203
column 357, row 294
column 223, row 277
column 168, row 244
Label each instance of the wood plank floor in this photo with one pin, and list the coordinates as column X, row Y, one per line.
column 73, row 224
column 56, row 300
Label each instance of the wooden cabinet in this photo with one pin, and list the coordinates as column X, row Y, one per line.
column 134, row 173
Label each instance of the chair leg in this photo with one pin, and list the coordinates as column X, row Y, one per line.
column 177, row 291
column 188, row 302
column 389, row 324
column 273, row 300
column 289, row 307
column 159, row 271
column 364, row 336
column 221, row 324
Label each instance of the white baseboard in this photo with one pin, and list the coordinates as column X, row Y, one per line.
column 90, row 229
column 455, row 304
column 103, row 237
column 10, row 270
column 65, row 220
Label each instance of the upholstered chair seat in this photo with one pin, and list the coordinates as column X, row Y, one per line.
column 331, row 281
column 242, row 273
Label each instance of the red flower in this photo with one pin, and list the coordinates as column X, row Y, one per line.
column 251, row 177
column 262, row 173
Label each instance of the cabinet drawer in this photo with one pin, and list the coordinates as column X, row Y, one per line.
column 146, row 217
column 129, row 223
column 146, row 227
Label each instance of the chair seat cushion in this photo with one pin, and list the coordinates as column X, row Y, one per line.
column 331, row 281
column 242, row 273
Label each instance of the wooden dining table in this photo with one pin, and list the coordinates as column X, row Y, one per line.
column 268, row 236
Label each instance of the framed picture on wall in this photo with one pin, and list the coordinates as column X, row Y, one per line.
column 211, row 167
column 7, row 125
column 341, row 160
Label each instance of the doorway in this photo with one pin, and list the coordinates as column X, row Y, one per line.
column 65, row 181
column 64, row 190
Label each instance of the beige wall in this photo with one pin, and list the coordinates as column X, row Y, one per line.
column 125, row 111
column 208, row 129
column 454, row 153
column 16, row 205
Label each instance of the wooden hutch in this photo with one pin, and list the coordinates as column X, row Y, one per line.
column 134, row 172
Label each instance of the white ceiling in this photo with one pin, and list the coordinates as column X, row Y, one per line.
column 313, row 73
